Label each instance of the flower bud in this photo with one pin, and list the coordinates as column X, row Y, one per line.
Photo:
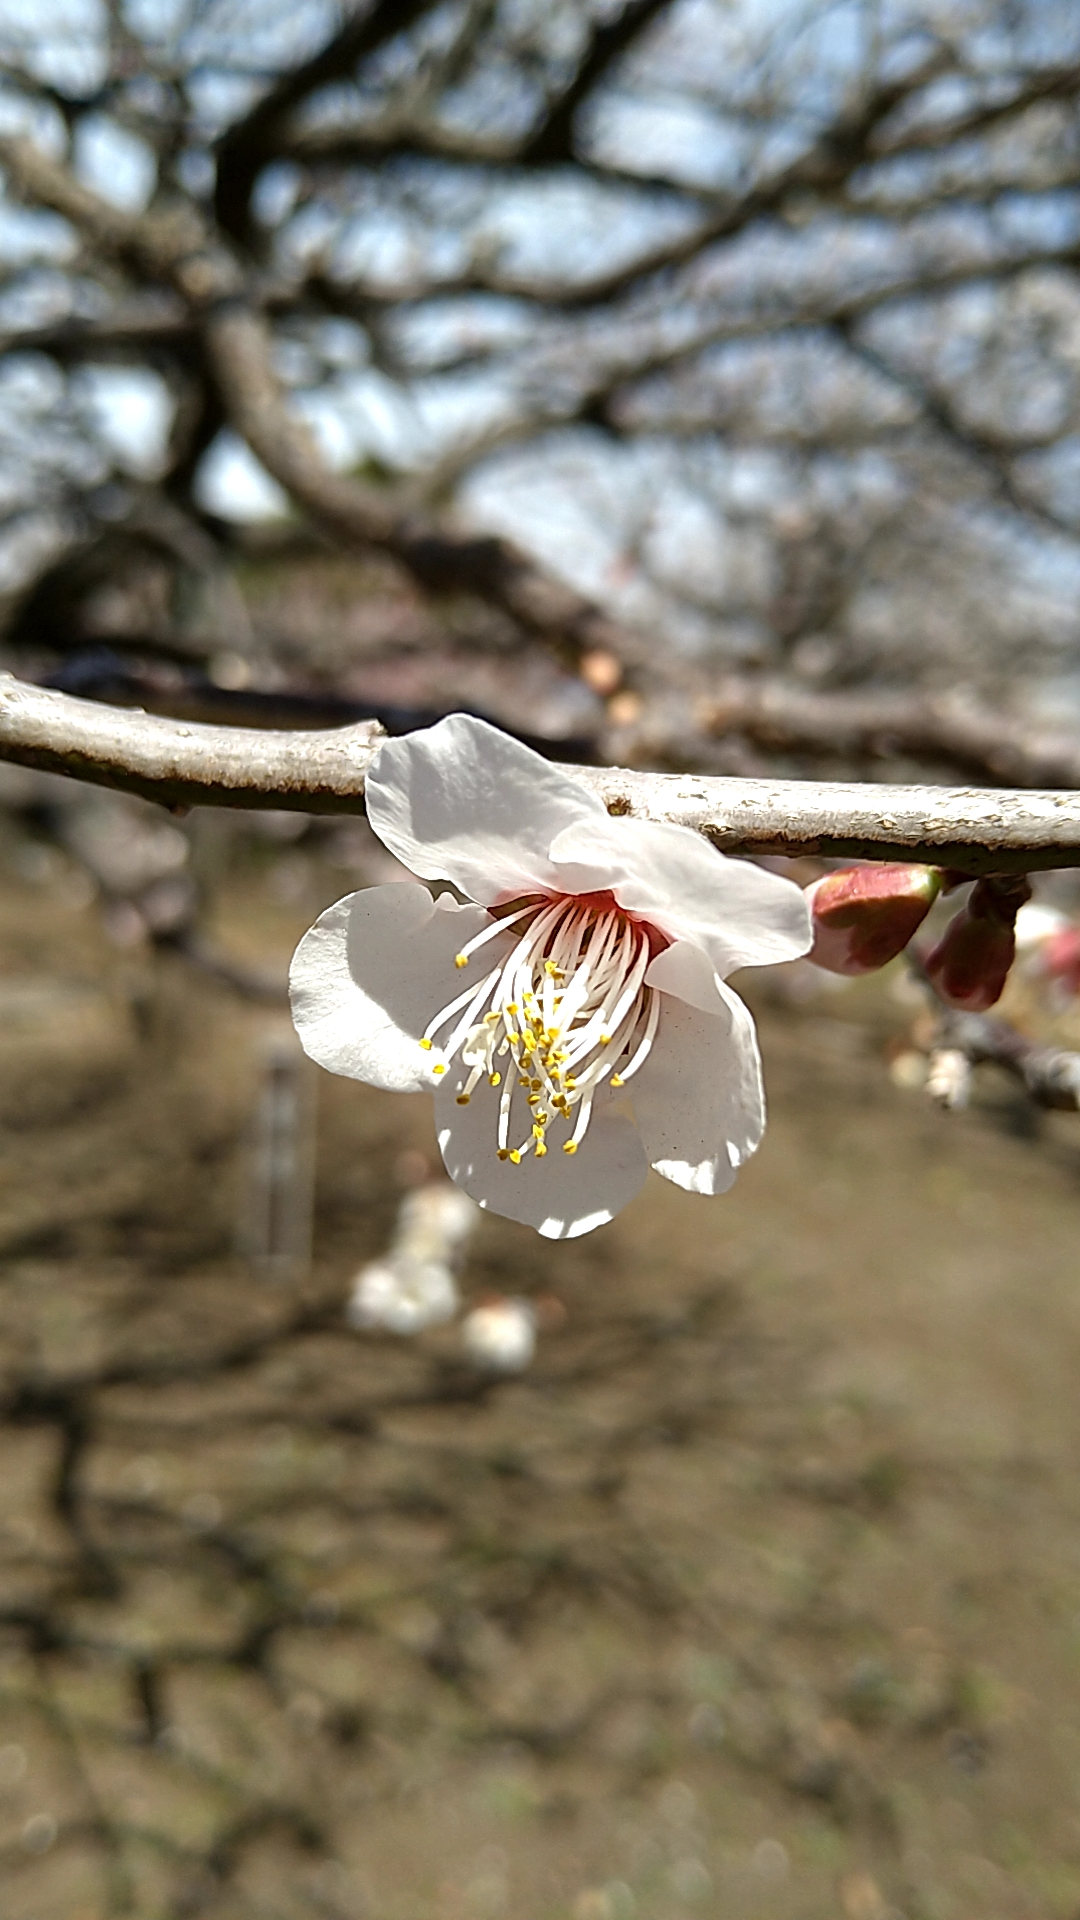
column 864, row 916
column 970, row 964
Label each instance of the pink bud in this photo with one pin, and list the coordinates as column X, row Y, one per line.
column 864, row 916
column 971, row 961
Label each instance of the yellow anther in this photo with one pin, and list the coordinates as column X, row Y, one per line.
column 536, row 1085
column 515, row 1156
column 552, row 1035
column 605, row 1039
column 426, row 1044
column 571, row 1083
column 504, row 1153
column 533, row 1100
column 463, row 1099
column 523, row 1080
column 616, row 1080
column 550, row 968
column 439, row 1069
column 512, row 1037
column 461, row 959
column 538, row 1133
column 540, row 1149
column 494, row 1079
column 569, row 1146
column 511, row 1007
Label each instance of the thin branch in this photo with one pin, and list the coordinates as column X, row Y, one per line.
column 1050, row 1074
column 146, row 321
column 183, row 765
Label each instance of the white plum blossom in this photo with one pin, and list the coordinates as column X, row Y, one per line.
column 572, row 1016
column 500, row 1335
column 412, row 1286
column 402, row 1294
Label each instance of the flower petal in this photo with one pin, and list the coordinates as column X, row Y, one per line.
column 685, row 970
column 371, row 973
column 699, row 1099
column 742, row 915
column 563, row 1195
column 461, row 801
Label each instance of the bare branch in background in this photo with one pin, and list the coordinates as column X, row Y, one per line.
column 959, row 1042
column 248, row 144
column 553, row 140
column 955, row 728
column 239, row 347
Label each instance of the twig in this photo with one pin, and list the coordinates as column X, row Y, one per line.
column 184, row 764
column 1050, row 1074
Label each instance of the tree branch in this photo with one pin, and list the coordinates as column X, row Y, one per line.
column 252, row 141
column 1050, row 1074
column 183, row 765
column 239, row 350
column 951, row 727
column 553, row 140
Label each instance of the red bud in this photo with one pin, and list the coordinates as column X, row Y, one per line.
column 864, row 916
column 970, row 964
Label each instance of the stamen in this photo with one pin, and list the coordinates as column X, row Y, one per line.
column 566, row 1006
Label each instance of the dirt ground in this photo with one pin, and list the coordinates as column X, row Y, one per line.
column 758, row 1595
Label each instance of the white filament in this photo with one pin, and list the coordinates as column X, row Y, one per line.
column 566, row 1011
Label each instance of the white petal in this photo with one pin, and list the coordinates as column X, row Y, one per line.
column 461, row 801
column 562, row 1195
column 742, row 915
column 685, row 970
column 699, row 1099
column 372, row 972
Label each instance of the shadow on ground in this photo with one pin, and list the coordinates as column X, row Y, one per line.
column 758, row 1595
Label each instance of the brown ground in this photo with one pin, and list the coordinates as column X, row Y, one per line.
column 759, row 1595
